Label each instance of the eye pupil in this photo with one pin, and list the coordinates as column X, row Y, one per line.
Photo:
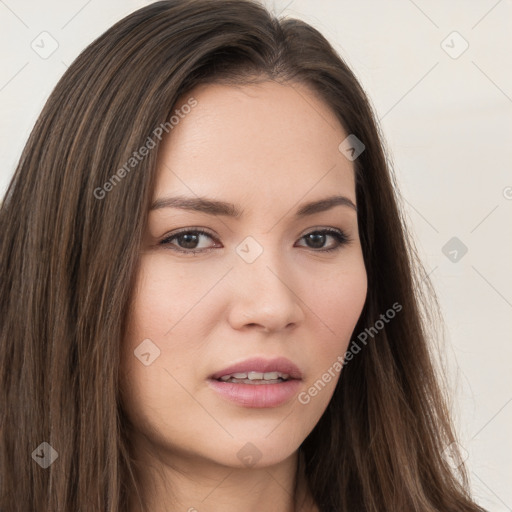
column 317, row 237
column 189, row 239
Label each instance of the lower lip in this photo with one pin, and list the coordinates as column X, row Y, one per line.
column 257, row 395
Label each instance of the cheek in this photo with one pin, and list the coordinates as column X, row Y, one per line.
column 163, row 322
column 160, row 301
column 166, row 297
column 336, row 308
column 343, row 301
column 336, row 303
column 336, row 300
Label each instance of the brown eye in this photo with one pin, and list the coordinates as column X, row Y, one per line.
column 317, row 239
column 187, row 241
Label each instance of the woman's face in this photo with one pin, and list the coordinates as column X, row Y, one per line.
column 254, row 286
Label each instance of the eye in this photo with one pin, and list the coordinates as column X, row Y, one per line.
column 319, row 237
column 188, row 240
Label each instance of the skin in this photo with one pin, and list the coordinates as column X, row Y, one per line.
column 267, row 148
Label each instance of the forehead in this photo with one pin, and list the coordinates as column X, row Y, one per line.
column 272, row 139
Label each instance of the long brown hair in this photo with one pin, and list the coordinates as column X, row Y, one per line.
column 69, row 254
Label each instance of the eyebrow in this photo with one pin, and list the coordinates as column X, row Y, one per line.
column 214, row 207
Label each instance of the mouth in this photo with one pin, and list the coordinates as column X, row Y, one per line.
column 258, row 382
column 255, row 378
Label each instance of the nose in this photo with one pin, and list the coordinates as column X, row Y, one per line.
column 264, row 295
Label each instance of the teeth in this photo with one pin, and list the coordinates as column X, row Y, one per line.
column 256, row 376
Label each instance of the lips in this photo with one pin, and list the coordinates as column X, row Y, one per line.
column 258, row 382
column 255, row 368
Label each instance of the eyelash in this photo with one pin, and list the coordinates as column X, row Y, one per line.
column 340, row 236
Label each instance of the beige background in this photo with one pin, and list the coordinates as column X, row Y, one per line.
column 446, row 112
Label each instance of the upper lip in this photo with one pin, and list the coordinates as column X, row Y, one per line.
column 258, row 364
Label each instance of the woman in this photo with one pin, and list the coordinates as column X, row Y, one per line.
column 209, row 300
